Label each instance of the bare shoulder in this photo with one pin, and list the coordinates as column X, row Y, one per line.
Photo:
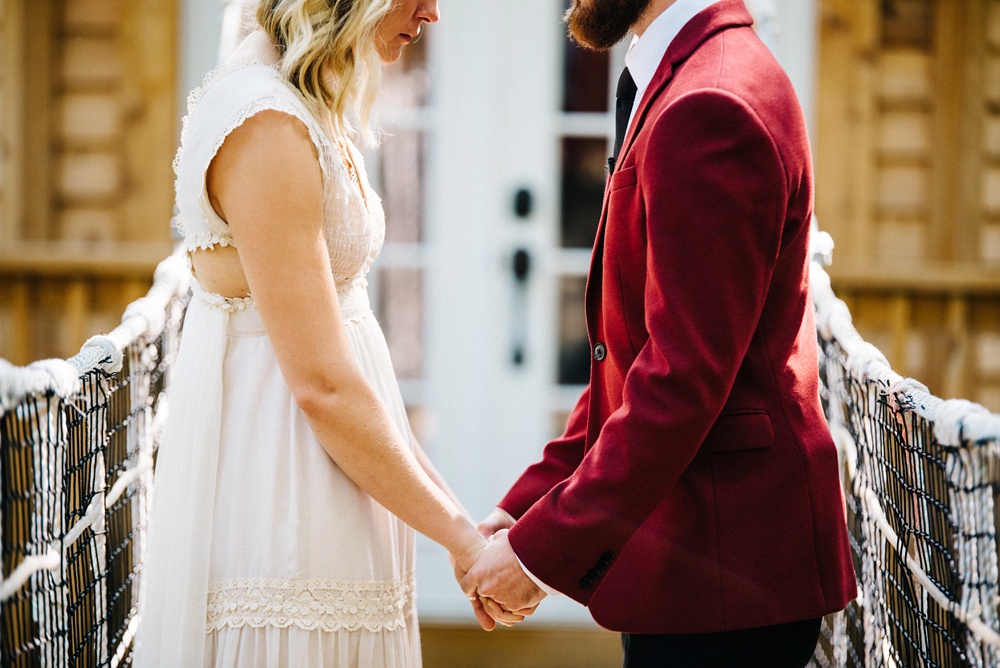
column 271, row 134
column 270, row 155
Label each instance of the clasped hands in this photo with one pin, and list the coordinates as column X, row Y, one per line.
column 495, row 583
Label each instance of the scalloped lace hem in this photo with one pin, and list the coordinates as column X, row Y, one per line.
column 195, row 96
column 206, row 240
column 227, row 304
column 311, row 605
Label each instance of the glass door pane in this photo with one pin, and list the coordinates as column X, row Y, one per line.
column 586, row 79
column 397, row 169
column 583, row 178
column 585, row 130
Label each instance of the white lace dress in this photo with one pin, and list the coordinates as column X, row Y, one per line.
column 261, row 551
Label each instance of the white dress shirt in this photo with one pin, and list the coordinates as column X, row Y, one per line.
column 643, row 59
column 646, row 51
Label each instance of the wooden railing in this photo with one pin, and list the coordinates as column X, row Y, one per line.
column 55, row 295
column 936, row 321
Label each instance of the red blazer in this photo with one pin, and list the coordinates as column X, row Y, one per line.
column 696, row 488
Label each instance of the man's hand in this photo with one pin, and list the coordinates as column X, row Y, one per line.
column 498, row 578
column 498, row 519
column 484, row 618
column 488, row 612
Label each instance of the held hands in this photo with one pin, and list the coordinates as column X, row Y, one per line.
column 461, row 565
column 498, row 519
column 495, row 583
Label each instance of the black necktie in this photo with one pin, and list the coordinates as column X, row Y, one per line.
column 623, row 108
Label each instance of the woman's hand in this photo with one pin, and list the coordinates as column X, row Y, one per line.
column 497, row 574
column 464, row 559
column 488, row 612
column 468, row 558
column 495, row 521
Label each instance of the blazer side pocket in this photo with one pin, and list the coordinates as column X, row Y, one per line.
column 739, row 430
column 623, row 178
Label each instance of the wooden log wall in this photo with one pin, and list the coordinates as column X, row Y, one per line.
column 908, row 182
column 88, row 128
column 908, row 173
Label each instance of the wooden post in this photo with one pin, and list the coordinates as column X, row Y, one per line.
column 902, row 311
column 837, row 205
column 947, row 93
column 20, row 349
column 149, row 45
column 12, row 122
column 37, row 61
column 845, row 158
column 76, row 307
column 956, row 368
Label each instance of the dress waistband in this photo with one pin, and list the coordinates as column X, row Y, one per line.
column 245, row 319
column 353, row 297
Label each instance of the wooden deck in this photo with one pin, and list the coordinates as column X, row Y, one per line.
column 525, row 646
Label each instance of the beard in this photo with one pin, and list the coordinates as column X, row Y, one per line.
column 600, row 24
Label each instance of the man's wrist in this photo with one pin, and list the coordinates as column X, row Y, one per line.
column 541, row 585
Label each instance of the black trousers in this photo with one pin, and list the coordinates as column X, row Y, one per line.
column 782, row 646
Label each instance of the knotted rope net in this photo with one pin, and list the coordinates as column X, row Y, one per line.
column 920, row 477
column 77, row 443
column 78, row 439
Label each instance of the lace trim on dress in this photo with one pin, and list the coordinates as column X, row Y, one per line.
column 324, row 605
column 345, row 200
column 353, row 298
column 207, row 240
column 320, row 140
column 247, row 112
column 194, row 98
column 227, row 304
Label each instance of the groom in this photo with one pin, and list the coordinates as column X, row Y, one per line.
column 693, row 502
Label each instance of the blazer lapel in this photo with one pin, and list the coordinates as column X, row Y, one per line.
column 712, row 19
column 723, row 14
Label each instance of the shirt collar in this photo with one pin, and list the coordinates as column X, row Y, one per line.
column 646, row 52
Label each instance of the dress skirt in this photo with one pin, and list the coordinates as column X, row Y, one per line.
column 293, row 564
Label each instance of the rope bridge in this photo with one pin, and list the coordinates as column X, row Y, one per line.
column 920, row 476
column 78, row 439
column 77, row 443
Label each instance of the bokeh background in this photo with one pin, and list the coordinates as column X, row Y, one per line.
column 496, row 131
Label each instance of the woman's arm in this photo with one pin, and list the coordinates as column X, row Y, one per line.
column 266, row 182
column 428, row 466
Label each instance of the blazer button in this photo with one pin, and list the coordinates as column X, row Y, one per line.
column 593, row 574
column 600, row 352
column 586, row 583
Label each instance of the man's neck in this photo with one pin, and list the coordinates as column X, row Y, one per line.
column 656, row 7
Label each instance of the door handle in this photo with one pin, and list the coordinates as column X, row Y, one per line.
column 521, row 265
column 523, row 203
column 521, row 268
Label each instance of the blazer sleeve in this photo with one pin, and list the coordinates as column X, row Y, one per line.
column 714, row 196
column 560, row 459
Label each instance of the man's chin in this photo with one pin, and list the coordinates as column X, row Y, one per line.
column 600, row 24
column 588, row 41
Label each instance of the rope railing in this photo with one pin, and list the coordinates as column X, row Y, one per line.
column 78, row 437
column 919, row 475
column 77, row 444
column 143, row 317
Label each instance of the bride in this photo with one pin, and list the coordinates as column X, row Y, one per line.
column 288, row 483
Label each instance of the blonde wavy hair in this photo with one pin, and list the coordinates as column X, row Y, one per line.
column 328, row 52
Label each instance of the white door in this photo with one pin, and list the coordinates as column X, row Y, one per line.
column 492, row 174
